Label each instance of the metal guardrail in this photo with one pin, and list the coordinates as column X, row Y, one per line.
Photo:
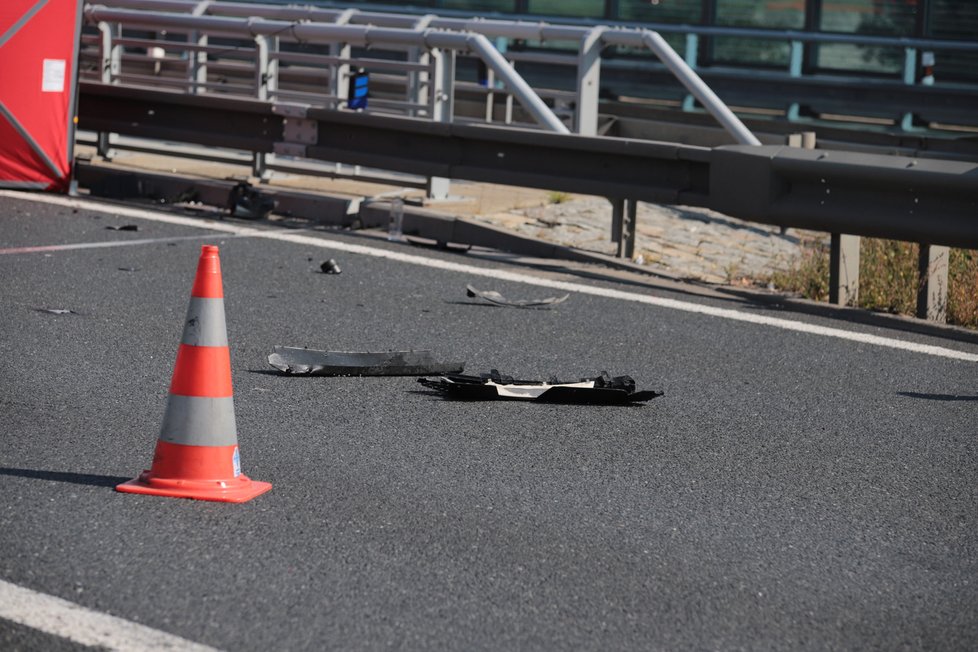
column 932, row 202
column 309, row 25
column 946, row 102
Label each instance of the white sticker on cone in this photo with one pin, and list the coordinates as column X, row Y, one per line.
column 53, row 76
column 237, row 462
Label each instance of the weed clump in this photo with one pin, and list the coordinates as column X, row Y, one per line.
column 888, row 278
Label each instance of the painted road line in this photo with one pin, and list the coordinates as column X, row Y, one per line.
column 324, row 242
column 71, row 621
column 100, row 245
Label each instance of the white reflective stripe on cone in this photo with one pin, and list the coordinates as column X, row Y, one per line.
column 205, row 324
column 199, row 421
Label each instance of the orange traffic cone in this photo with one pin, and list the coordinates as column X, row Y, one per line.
column 197, row 450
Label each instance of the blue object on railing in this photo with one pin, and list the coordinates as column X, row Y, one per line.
column 359, row 90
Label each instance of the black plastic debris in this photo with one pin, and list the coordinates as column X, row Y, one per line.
column 295, row 361
column 244, row 200
column 124, row 227
column 599, row 390
column 494, row 297
column 128, row 269
column 331, row 267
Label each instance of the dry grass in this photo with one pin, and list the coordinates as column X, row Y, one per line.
column 888, row 278
column 558, row 197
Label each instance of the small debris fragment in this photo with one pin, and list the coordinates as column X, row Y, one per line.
column 295, row 361
column 128, row 269
column 124, row 227
column 494, row 297
column 57, row 311
column 600, row 390
column 331, row 267
column 244, row 200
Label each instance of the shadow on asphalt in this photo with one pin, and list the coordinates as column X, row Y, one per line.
column 62, row 476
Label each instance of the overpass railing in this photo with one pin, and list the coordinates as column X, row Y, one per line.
column 913, row 92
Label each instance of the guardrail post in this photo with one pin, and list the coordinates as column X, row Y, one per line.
column 691, row 57
column 623, row 225
column 909, row 78
column 932, row 289
column 266, row 83
column 339, row 74
column 588, row 82
column 418, row 80
column 111, row 62
column 197, row 59
column 197, row 64
column 502, row 44
column 794, row 70
column 442, row 108
column 844, row 270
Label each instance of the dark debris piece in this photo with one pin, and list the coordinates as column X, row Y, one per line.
column 331, row 267
column 124, row 227
column 294, row 361
column 599, row 390
column 246, row 201
column 494, row 297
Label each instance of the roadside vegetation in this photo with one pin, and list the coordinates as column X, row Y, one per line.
column 888, row 278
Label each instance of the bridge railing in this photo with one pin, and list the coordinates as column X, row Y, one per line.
column 946, row 102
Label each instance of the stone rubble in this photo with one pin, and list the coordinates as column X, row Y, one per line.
column 679, row 241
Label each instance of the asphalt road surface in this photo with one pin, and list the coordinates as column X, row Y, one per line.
column 802, row 484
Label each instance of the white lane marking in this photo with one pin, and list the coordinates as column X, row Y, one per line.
column 59, row 617
column 99, row 245
column 325, row 242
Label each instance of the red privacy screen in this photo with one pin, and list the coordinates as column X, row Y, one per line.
column 38, row 46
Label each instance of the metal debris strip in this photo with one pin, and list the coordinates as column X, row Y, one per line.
column 296, row 361
column 60, row 311
column 496, row 298
column 124, row 227
column 599, row 390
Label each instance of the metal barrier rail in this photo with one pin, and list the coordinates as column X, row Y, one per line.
column 927, row 201
column 418, row 33
column 521, row 28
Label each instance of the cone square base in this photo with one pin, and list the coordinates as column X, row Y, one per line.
column 238, row 490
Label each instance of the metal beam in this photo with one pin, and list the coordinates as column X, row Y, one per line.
column 838, row 192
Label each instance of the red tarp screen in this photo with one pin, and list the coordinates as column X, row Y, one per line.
column 38, row 45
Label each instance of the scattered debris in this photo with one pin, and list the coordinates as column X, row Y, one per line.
column 331, row 267
column 295, row 361
column 600, row 390
column 248, row 202
column 124, row 227
column 57, row 311
column 494, row 297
